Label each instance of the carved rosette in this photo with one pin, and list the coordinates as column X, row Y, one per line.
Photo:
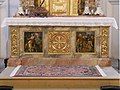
column 59, row 42
column 14, row 41
column 105, row 42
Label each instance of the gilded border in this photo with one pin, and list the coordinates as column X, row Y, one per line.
column 14, row 43
column 85, row 29
column 104, row 42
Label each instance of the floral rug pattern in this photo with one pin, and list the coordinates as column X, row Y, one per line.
column 57, row 71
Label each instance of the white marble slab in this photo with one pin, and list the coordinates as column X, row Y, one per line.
column 15, row 71
column 100, row 70
column 61, row 21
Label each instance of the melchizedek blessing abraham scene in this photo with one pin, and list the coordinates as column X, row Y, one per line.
column 60, row 44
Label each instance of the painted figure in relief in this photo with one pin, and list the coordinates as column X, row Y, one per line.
column 33, row 41
column 85, row 42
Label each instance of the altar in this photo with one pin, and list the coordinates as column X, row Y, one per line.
column 59, row 44
column 82, row 38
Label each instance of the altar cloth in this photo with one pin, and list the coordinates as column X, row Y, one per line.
column 60, row 21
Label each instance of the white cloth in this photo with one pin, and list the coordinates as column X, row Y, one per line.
column 15, row 71
column 100, row 71
column 61, row 21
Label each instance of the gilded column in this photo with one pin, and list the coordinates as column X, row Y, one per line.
column 73, row 7
column 104, row 42
column 14, row 35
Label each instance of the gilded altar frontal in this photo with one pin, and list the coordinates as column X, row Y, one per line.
column 70, row 41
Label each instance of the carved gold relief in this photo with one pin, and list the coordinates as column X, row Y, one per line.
column 14, row 41
column 59, row 42
column 73, row 7
column 105, row 42
column 55, row 7
column 27, row 3
column 59, row 7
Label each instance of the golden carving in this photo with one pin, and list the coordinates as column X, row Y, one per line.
column 73, row 7
column 14, row 41
column 59, row 7
column 27, row 3
column 55, row 7
column 105, row 42
column 59, row 42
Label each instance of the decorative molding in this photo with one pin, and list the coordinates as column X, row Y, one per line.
column 62, row 21
column 114, row 2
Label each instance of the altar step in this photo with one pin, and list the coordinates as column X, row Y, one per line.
column 57, row 89
column 109, row 71
column 28, row 61
column 68, row 83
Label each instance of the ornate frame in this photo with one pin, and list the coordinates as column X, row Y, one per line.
column 58, row 29
column 94, row 54
column 94, row 41
column 29, row 29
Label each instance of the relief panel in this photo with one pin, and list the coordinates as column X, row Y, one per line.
column 104, row 42
column 59, row 42
column 76, row 41
column 85, row 42
column 31, row 40
column 55, row 7
column 59, row 7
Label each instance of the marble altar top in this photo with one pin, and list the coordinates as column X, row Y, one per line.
column 60, row 21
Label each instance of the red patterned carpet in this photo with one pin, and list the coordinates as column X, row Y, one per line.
column 57, row 71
